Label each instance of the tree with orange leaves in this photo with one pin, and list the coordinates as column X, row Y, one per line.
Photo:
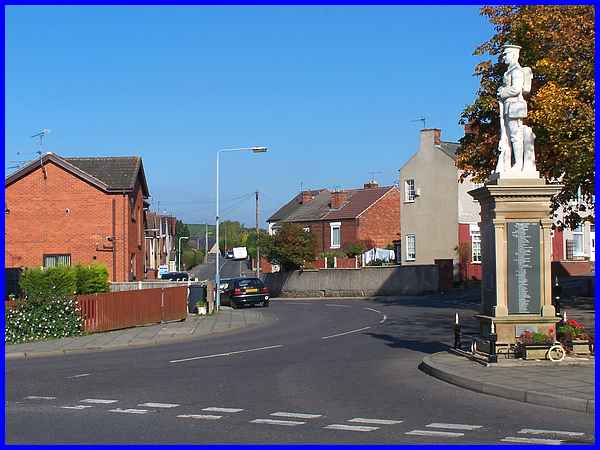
column 558, row 44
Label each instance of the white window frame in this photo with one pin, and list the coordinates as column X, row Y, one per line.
column 475, row 246
column 578, row 233
column 411, row 246
column 592, row 242
column 410, row 194
column 333, row 226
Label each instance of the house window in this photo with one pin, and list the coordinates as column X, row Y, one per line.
column 411, row 247
column 578, row 241
column 57, row 260
column 409, row 191
column 336, row 238
column 592, row 242
column 475, row 247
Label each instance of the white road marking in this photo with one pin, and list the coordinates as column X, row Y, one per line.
column 453, row 426
column 434, row 433
column 288, row 423
column 38, row 397
column 560, row 433
column 522, row 440
column 296, row 415
column 224, row 410
column 199, row 416
column 347, row 332
column 97, row 400
column 339, row 306
column 225, row 354
column 80, row 375
column 159, row 405
column 384, row 319
column 375, row 421
column 374, row 310
column 129, row 411
column 350, row 427
column 77, row 407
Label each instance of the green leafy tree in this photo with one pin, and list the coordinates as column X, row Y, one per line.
column 291, row 247
column 181, row 230
column 354, row 249
column 558, row 44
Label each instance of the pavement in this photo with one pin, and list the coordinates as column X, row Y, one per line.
column 564, row 385
column 195, row 326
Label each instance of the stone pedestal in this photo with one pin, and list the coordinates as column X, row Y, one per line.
column 516, row 255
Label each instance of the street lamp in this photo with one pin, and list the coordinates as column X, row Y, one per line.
column 179, row 259
column 218, row 268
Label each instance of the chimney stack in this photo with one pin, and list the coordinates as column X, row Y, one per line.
column 338, row 198
column 431, row 136
column 305, row 197
column 371, row 184
column 472, row 128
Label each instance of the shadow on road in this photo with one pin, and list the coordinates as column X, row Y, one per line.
column 456, row 299
column 410, row 344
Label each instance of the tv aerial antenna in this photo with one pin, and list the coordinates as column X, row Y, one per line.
column 372, row 174
column 421, row 119
column 41, row 135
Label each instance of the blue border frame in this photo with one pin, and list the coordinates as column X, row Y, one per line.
column 265, row 3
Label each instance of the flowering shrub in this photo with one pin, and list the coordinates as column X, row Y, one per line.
column 571, row 330
column 531, row 338
column 55, row 318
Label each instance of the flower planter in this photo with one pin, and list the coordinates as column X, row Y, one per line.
column 535, row 351
column 580, row 347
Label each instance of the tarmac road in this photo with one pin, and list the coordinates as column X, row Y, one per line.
column 327, row 370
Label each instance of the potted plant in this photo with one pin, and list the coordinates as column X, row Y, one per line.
column 532, row 345
column 201, row 306
column 574, row 337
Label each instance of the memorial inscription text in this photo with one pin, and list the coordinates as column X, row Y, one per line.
column 523, row 268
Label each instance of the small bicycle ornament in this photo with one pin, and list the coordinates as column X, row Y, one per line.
column 556, row 353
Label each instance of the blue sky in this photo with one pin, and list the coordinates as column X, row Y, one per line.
column 331, row 91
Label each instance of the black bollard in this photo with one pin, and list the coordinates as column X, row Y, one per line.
column 457, row 343
column 556, row 291
column 493, row 358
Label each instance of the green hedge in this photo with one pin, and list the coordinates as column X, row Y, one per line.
column 38, row 285
column 29, row 321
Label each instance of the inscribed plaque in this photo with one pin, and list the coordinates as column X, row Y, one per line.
column 523, row 268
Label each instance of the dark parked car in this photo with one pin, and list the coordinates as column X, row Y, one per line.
column 237, row 292
column 175, row 276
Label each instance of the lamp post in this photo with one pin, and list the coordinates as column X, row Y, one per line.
column 179, row 259
column 218, row 268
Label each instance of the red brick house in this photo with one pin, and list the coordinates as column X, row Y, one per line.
column 368, row 216
column 77, row 210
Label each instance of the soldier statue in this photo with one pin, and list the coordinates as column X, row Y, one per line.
column 517, row 156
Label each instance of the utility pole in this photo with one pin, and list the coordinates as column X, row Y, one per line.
column 257, row 249
column 206, row 242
